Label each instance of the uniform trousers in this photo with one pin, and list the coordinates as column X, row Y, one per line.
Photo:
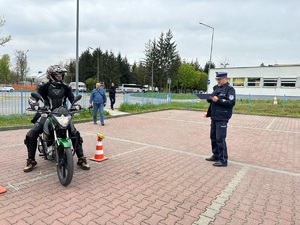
column 218, row 133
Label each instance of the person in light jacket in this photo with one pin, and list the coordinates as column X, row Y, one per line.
column 98, row 102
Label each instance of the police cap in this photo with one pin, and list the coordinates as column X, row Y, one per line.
column 220, row 75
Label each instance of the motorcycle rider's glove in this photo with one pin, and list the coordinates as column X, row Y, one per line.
column 75, row 107
column 33, row 103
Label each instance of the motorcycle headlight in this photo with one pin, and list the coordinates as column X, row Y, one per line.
column 63, row 120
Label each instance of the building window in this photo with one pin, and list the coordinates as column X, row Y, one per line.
column 253, row 82
column 288, row 82
column 270, row 82
column 238, row 82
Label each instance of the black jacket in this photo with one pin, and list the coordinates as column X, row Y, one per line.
column 55, row 95
column 112, row 91
column 222, row 109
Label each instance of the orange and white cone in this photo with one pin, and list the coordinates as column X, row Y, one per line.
column 2, row 190
column 205, row 115
column 99, row 154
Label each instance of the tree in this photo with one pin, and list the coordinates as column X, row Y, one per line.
column 140, row 72
column 22, row 67
column 203, row 81
column 188, row 77
column 212, row 65
column 4, row 39
column 86, row 68
column 162, row 59
column 197, row 65
column 168, row 54
column 90, row 83
column 124, row 74
column 4, row 69
column 112, row 69
column 71, row 70
column 151, row 62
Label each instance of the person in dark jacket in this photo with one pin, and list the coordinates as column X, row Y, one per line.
column 112, row 95
column 222, row 101
column 98, row 102
column 55, row 93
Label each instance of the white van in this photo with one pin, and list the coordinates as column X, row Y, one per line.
column 81, row 86
column 131, row 88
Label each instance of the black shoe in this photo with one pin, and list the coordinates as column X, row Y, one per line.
column 30, row 164
column 83, row 163
column 212, row 159
column 102, row 124
column 219, row 164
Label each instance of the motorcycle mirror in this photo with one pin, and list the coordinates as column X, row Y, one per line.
column 77, row 98
column 37, row 96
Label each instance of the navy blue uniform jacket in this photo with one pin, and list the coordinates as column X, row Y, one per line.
column 222, row 109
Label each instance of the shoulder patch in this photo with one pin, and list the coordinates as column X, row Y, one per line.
column 231, row 97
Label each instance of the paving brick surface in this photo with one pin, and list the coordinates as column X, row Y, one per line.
column 157, row 174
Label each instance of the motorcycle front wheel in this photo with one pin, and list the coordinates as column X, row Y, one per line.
column 65, row 166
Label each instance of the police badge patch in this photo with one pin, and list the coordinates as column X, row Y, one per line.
column 231, row 97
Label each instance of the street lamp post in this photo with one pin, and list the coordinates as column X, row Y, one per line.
column 211, row 46
column 77, row 43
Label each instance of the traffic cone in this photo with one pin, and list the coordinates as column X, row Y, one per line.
column 99, row 155
column 2, row 190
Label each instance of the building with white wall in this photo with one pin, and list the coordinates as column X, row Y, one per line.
column 275, row 80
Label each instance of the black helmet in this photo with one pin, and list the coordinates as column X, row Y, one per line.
column 56, row 70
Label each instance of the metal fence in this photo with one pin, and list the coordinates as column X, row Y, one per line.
column 243, row 103
column 15, row 103
column 161, row 98
column 155, row 98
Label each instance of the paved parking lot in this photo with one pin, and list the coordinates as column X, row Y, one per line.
column 156, row 174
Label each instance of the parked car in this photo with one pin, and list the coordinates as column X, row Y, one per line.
column 6, row 88
column 147, row 88
column 81, row 86
column 119, row 89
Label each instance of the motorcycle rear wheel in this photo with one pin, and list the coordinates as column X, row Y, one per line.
column 65, row 166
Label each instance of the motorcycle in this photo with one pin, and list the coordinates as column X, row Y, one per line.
column 55, row 144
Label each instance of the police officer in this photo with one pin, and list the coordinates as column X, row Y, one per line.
column 221, row 102
column 55, row 93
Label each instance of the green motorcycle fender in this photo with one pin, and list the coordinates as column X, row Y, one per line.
column 65, row 142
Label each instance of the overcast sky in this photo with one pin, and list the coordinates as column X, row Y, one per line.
column 246, row 32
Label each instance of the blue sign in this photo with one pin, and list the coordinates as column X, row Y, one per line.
column 208, row 81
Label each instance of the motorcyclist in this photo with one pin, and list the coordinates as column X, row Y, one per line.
column 55, row 93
